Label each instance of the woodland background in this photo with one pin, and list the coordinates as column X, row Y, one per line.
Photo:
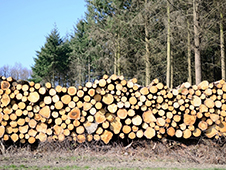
column 172, row 40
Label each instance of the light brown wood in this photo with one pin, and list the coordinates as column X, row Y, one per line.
column 189, row 119
column 112, row 108
column 2, row 131
column 5, row 85
column 149, row 133
column 99, row 117
column 74, row 113
column 148, row 117
column 211, row 131
column 66, row 99
column 196, row 101
column 45, row 112
column 202, row 125
column 122, row 113
column 116, row 125
column 106, row 136
column 14, row 137
column 187, row 133
column 5, row 100
column 209, row 103
column 137, row 120
column 108, row 99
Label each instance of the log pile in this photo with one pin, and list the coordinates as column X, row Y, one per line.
column 110, row 107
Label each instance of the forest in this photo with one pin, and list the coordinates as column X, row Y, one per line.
column 174, row 41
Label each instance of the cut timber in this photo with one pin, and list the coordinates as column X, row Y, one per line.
column 153, row 89
column 41, row 127
column 116, row 125
column 171, row 131
column 45, row 112
column 133, row 100
column 144, row 91
column 126, row 129
column 81, row 138
column 196, row 101
column 102, row 82
column 149, row 133
column 58, row 130
column 74, row 114
column 108, row 99
column 160, row 121
column 209, row 103
column 90, row 127
column 31, row 140
column 33, row 97
column 14, row 137
column 112, row 108
column 222, row 127
column 148, row 117
column 106, row 136
column 211, row 131
column 42, row 137
column 58, row 105
column 122, row 113
column 140, row 133
column 203, row 125
column 214, row 117
column 2, row 131
column 5, row 85
column 99, row 117
column 197, row 132
column 203, row 85
column 80, row 129
column 179, row 133
column 189, row 119
column 137, row 120
column 186, row 133
column 132, row 135
column 66, row 99
column 71, row 90
column 23, row 129
column 87, row 106
column 5, row 100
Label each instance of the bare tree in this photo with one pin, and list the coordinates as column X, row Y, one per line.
column 17, row 71
column 198, row 76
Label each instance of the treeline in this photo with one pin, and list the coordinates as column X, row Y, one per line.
column 17, row 71
column 174, row 41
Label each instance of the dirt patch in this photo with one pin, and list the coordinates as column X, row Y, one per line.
column 140, row 154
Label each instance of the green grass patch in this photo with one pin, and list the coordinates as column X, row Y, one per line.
column 149, row 168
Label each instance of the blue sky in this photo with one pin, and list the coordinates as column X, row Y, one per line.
column 26, row 23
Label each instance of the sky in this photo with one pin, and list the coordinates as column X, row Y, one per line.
column 25, row 24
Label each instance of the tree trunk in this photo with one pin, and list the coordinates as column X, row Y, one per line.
column 79, row 75
column 171, row 71
column 189, row 54
column 118, row 56
column 89, row 68
column 222, row 46
column 198, row 76
column 168, row 72
column 115, row 63
column 147, row 62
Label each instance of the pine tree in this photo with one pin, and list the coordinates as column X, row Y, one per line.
column 52, row 60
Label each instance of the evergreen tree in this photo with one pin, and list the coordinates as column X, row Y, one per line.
column 51, row 62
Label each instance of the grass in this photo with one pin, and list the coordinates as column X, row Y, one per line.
column 24, row 167
column 74, row 167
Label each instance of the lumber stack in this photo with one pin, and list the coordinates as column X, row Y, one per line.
column 110, row 107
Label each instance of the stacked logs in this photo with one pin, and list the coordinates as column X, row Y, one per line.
column 110, row 107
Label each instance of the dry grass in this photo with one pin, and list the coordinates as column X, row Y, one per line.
column 195, row 152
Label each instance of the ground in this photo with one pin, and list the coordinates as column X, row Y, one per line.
column 168, row 154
